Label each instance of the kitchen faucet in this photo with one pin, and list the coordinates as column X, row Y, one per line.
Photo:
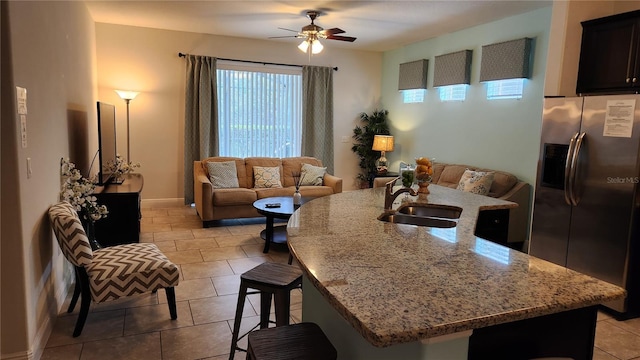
column 390, row 196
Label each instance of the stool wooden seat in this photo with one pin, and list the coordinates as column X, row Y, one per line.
column 270, row 279
column 299, row 341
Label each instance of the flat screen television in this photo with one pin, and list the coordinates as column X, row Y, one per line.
column 106, row 141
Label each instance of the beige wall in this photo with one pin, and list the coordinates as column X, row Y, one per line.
column 564, row 45
column 146, row 60
column 49, row 49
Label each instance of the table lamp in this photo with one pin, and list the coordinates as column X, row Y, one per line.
column 382, row 143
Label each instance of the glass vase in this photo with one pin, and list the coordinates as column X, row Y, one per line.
column 90, row 229
column 407, row 175
column 297, row 198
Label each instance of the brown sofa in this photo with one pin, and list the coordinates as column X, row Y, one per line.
column 505, row 186
column 231, row 203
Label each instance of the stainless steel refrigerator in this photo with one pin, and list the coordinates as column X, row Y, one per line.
column 586, row 214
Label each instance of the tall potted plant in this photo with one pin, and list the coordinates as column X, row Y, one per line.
column 372, row 124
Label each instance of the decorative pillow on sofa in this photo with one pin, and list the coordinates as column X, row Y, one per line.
column 266, row 177
column 223, row 174
column 312, row 175
column 476, row 182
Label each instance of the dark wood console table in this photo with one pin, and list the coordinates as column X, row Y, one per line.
column 122, row 224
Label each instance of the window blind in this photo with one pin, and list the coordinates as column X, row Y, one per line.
column 413, row 75
column 506, row 60
column 259, row 113
column 452, row 69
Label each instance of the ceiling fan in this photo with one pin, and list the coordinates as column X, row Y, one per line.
column 312, row 34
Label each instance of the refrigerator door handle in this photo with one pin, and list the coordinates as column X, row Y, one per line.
column 574, row 169
column 567, row 169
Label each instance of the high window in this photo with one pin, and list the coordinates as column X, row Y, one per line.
column 259, row 111
column 505, row 89
column 413, row 96
column 453, row 92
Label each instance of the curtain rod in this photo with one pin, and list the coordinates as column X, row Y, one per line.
column 253, row 62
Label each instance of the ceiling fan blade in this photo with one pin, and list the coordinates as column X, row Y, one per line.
column 341, row 38
column 333, row 31
column 281, row 37
column 295, row 31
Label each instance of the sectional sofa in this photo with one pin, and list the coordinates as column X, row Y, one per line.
column 237, row 202
column 505, row 186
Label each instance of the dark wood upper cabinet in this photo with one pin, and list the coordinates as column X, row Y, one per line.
column 610, row 55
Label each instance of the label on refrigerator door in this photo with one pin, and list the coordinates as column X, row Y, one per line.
column 618, row 121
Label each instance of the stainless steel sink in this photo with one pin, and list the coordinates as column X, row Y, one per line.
column 417, row 220
column 431, row 210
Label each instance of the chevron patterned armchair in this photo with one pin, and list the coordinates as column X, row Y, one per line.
column 112, row 272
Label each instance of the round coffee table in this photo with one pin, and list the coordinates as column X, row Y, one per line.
column 277, row 234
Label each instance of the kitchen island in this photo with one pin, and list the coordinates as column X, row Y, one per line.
column 389, row 291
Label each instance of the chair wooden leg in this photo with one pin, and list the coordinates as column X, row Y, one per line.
column 85, row 301
column 76, row 293
column 283, row 303
column 171, row 300
column 242, row 294
column 265, row 309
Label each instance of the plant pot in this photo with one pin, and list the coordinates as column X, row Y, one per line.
column 363, row 184
column 90, row 229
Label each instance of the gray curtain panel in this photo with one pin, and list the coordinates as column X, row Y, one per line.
column 200, row 116
column 317, row 114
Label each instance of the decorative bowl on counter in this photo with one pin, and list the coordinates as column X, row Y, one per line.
column 424, row 171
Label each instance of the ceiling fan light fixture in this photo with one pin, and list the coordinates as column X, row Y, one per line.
column 316, row 47
column 312, row 33
column 304, row 46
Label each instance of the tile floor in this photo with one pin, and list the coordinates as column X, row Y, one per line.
column 211, row 261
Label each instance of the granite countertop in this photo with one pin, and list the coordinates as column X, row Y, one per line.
column 401, row 283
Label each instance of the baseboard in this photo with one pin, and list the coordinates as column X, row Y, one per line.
column 22, row 355
column 46, row 328
column 160, row 203
column 40, row 341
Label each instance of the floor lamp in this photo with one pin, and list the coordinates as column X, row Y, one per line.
column 127, row 96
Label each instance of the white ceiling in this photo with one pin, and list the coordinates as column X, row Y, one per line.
column 378, row 25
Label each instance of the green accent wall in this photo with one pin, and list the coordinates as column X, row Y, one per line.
column 497, row 134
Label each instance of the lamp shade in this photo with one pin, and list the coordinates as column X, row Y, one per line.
column 382, row 143
column 304, row 45
column 316, row 46
column 127, row 95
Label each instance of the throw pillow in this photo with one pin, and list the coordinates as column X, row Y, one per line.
column 312, row 175
column 223, row 174
column 476, row 182
column 266, row 177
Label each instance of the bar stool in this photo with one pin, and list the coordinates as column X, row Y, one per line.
column 292, row 342
column 270, row 279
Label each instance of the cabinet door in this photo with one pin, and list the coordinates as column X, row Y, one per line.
column 122, row 224
column 634, row 62
column 607, row 56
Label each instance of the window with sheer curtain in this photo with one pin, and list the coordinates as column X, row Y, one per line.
column 259, row 111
